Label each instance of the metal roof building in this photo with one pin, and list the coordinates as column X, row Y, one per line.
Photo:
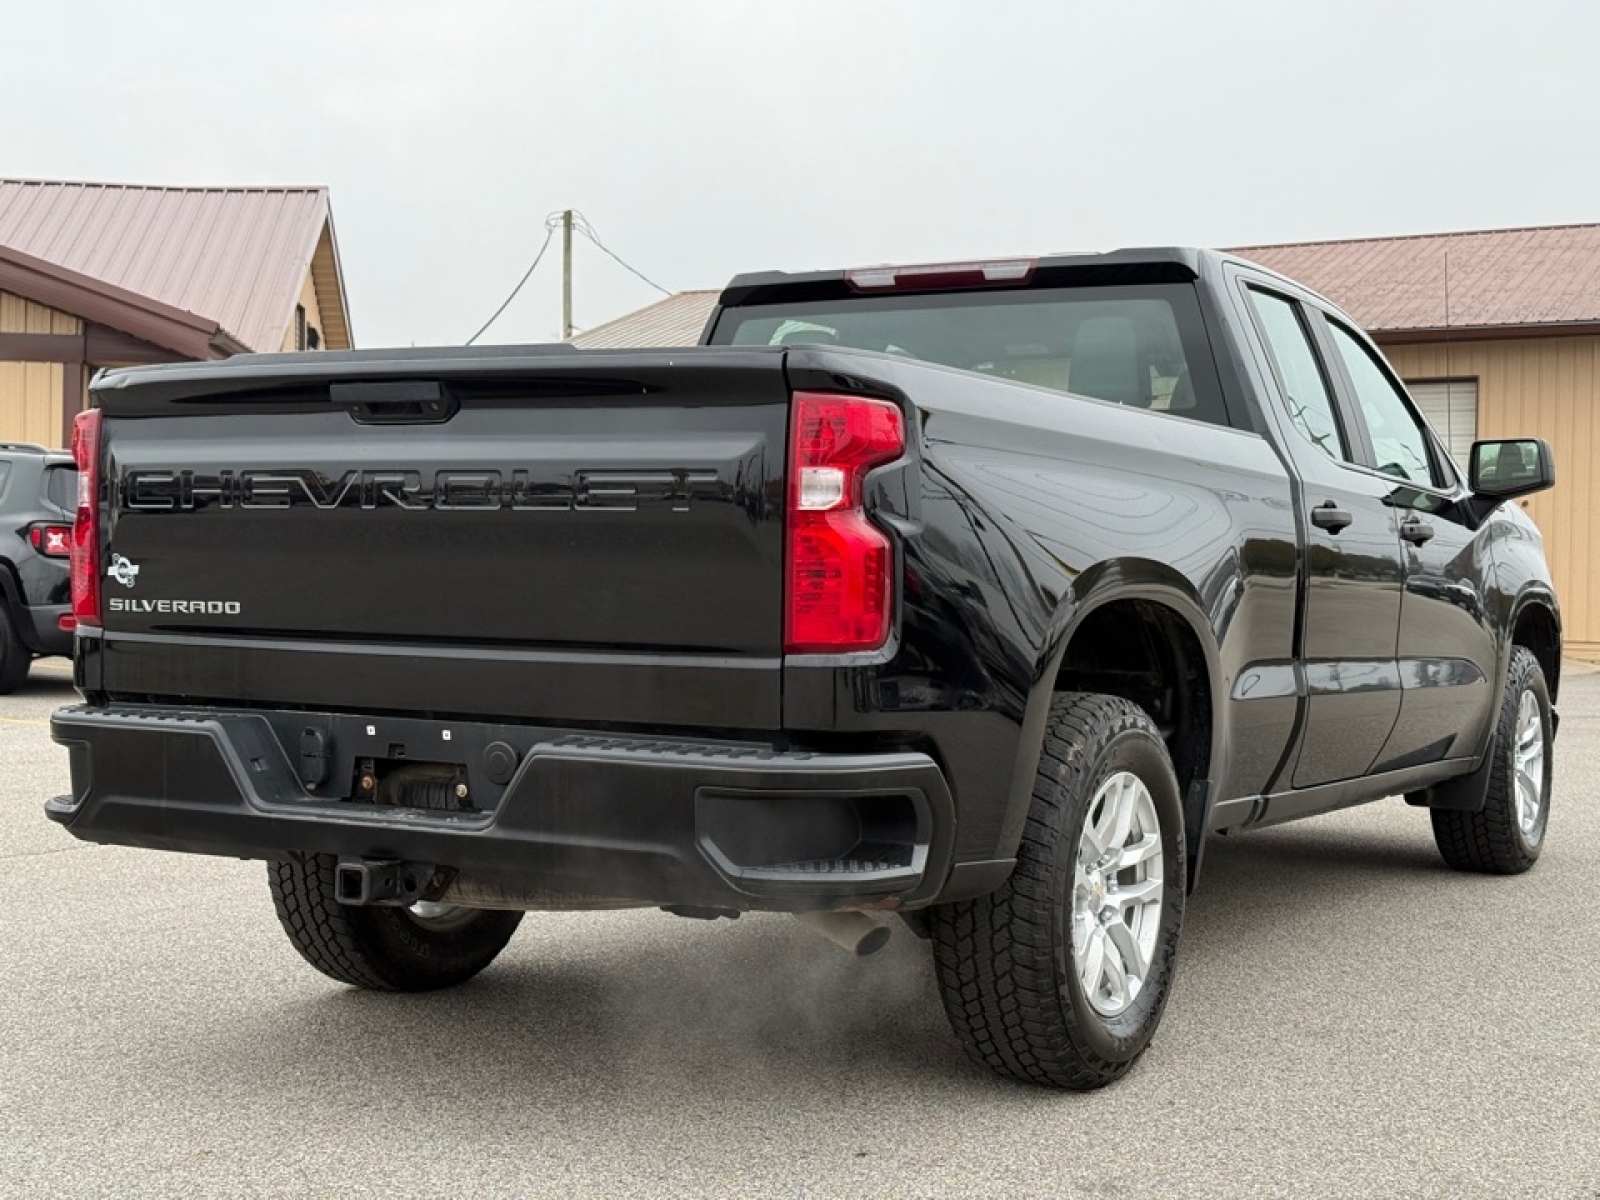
column 1486, row 284
column 676, row 321
column 95, row 275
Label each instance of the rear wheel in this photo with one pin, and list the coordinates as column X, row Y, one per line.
column 15, row 657
column 387, row 949
column 1060, row 976
column 1506, row 836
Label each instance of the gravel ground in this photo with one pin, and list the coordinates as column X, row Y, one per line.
column 1350, row 1019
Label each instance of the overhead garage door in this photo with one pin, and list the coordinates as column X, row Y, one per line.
column 1452, row 410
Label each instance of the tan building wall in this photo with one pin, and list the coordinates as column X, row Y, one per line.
column 308, row 301
column 18, row 315
column 1548, row 388
column 30, row 392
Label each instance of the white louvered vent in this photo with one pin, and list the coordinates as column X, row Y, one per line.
column 1452, row 410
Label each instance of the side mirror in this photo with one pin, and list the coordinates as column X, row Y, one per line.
column 1501, row 470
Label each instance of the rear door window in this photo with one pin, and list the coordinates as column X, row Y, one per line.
column 1305, row 389
column 61, row 487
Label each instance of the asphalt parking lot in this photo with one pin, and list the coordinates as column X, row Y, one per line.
column 1350, row 1019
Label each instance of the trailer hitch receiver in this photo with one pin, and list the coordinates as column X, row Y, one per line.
column 361, row 881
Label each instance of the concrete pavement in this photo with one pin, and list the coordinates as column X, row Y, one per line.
column 1351, row 1018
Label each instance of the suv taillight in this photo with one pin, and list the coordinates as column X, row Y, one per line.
column 52, row 541
column 86, row 523
column 839, row 567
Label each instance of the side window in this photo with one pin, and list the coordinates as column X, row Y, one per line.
column 61, row 487
column 1305, row 391
column 1398, row 442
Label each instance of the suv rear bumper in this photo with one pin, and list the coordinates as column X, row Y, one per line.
column 668, row 821
column 44, row 634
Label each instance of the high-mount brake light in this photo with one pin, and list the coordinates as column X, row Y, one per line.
column 928, row 277
column 839, row 568
column 86, row 523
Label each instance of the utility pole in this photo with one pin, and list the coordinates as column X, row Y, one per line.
column 566, row 275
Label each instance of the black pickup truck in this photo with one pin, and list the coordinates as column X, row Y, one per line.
column 977, row 594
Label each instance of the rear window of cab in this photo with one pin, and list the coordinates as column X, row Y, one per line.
column 1142, row 346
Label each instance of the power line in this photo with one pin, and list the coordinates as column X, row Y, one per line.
column 582, row 225
column 549, row 232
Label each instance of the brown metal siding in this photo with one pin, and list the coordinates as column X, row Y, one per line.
column 1547, row 388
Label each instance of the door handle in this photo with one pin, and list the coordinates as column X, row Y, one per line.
column 1416, row 531
column 1331, row 517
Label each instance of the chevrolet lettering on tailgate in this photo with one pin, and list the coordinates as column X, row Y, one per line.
column 625, row 491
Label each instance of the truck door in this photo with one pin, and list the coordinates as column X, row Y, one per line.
column 1351, row 615
column 1447, row 651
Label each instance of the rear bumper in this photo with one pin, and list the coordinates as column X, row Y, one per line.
column 653, row 821
column 44, row 634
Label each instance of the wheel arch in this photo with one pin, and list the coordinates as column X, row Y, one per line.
column 1536, row 625
column 10, row 588
column 1175, row 641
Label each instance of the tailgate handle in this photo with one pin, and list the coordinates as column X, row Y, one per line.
column 396, row 401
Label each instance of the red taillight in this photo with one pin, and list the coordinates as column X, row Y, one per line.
column 86, row 524
column 53, row 541
column 840, row 566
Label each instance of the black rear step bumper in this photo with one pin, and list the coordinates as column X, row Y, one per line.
column 669, row 821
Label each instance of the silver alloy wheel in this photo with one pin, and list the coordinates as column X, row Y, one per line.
column 1529, row 760
column 1116, row 893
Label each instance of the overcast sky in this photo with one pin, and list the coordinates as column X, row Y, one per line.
column 705, row 138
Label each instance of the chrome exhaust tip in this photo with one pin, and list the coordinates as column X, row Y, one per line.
column 852, row 931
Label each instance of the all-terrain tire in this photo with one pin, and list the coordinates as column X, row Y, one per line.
column 15, row 657
column 1506, row 836
column 1006, row 962
column 380, row 948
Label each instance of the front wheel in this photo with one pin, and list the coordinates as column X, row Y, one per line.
column 1505, row 837
column 386, row 949
column 1060, row 976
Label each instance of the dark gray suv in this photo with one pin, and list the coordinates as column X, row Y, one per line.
column 38, row 495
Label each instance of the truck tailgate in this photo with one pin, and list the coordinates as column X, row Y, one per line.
column 559, row 536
